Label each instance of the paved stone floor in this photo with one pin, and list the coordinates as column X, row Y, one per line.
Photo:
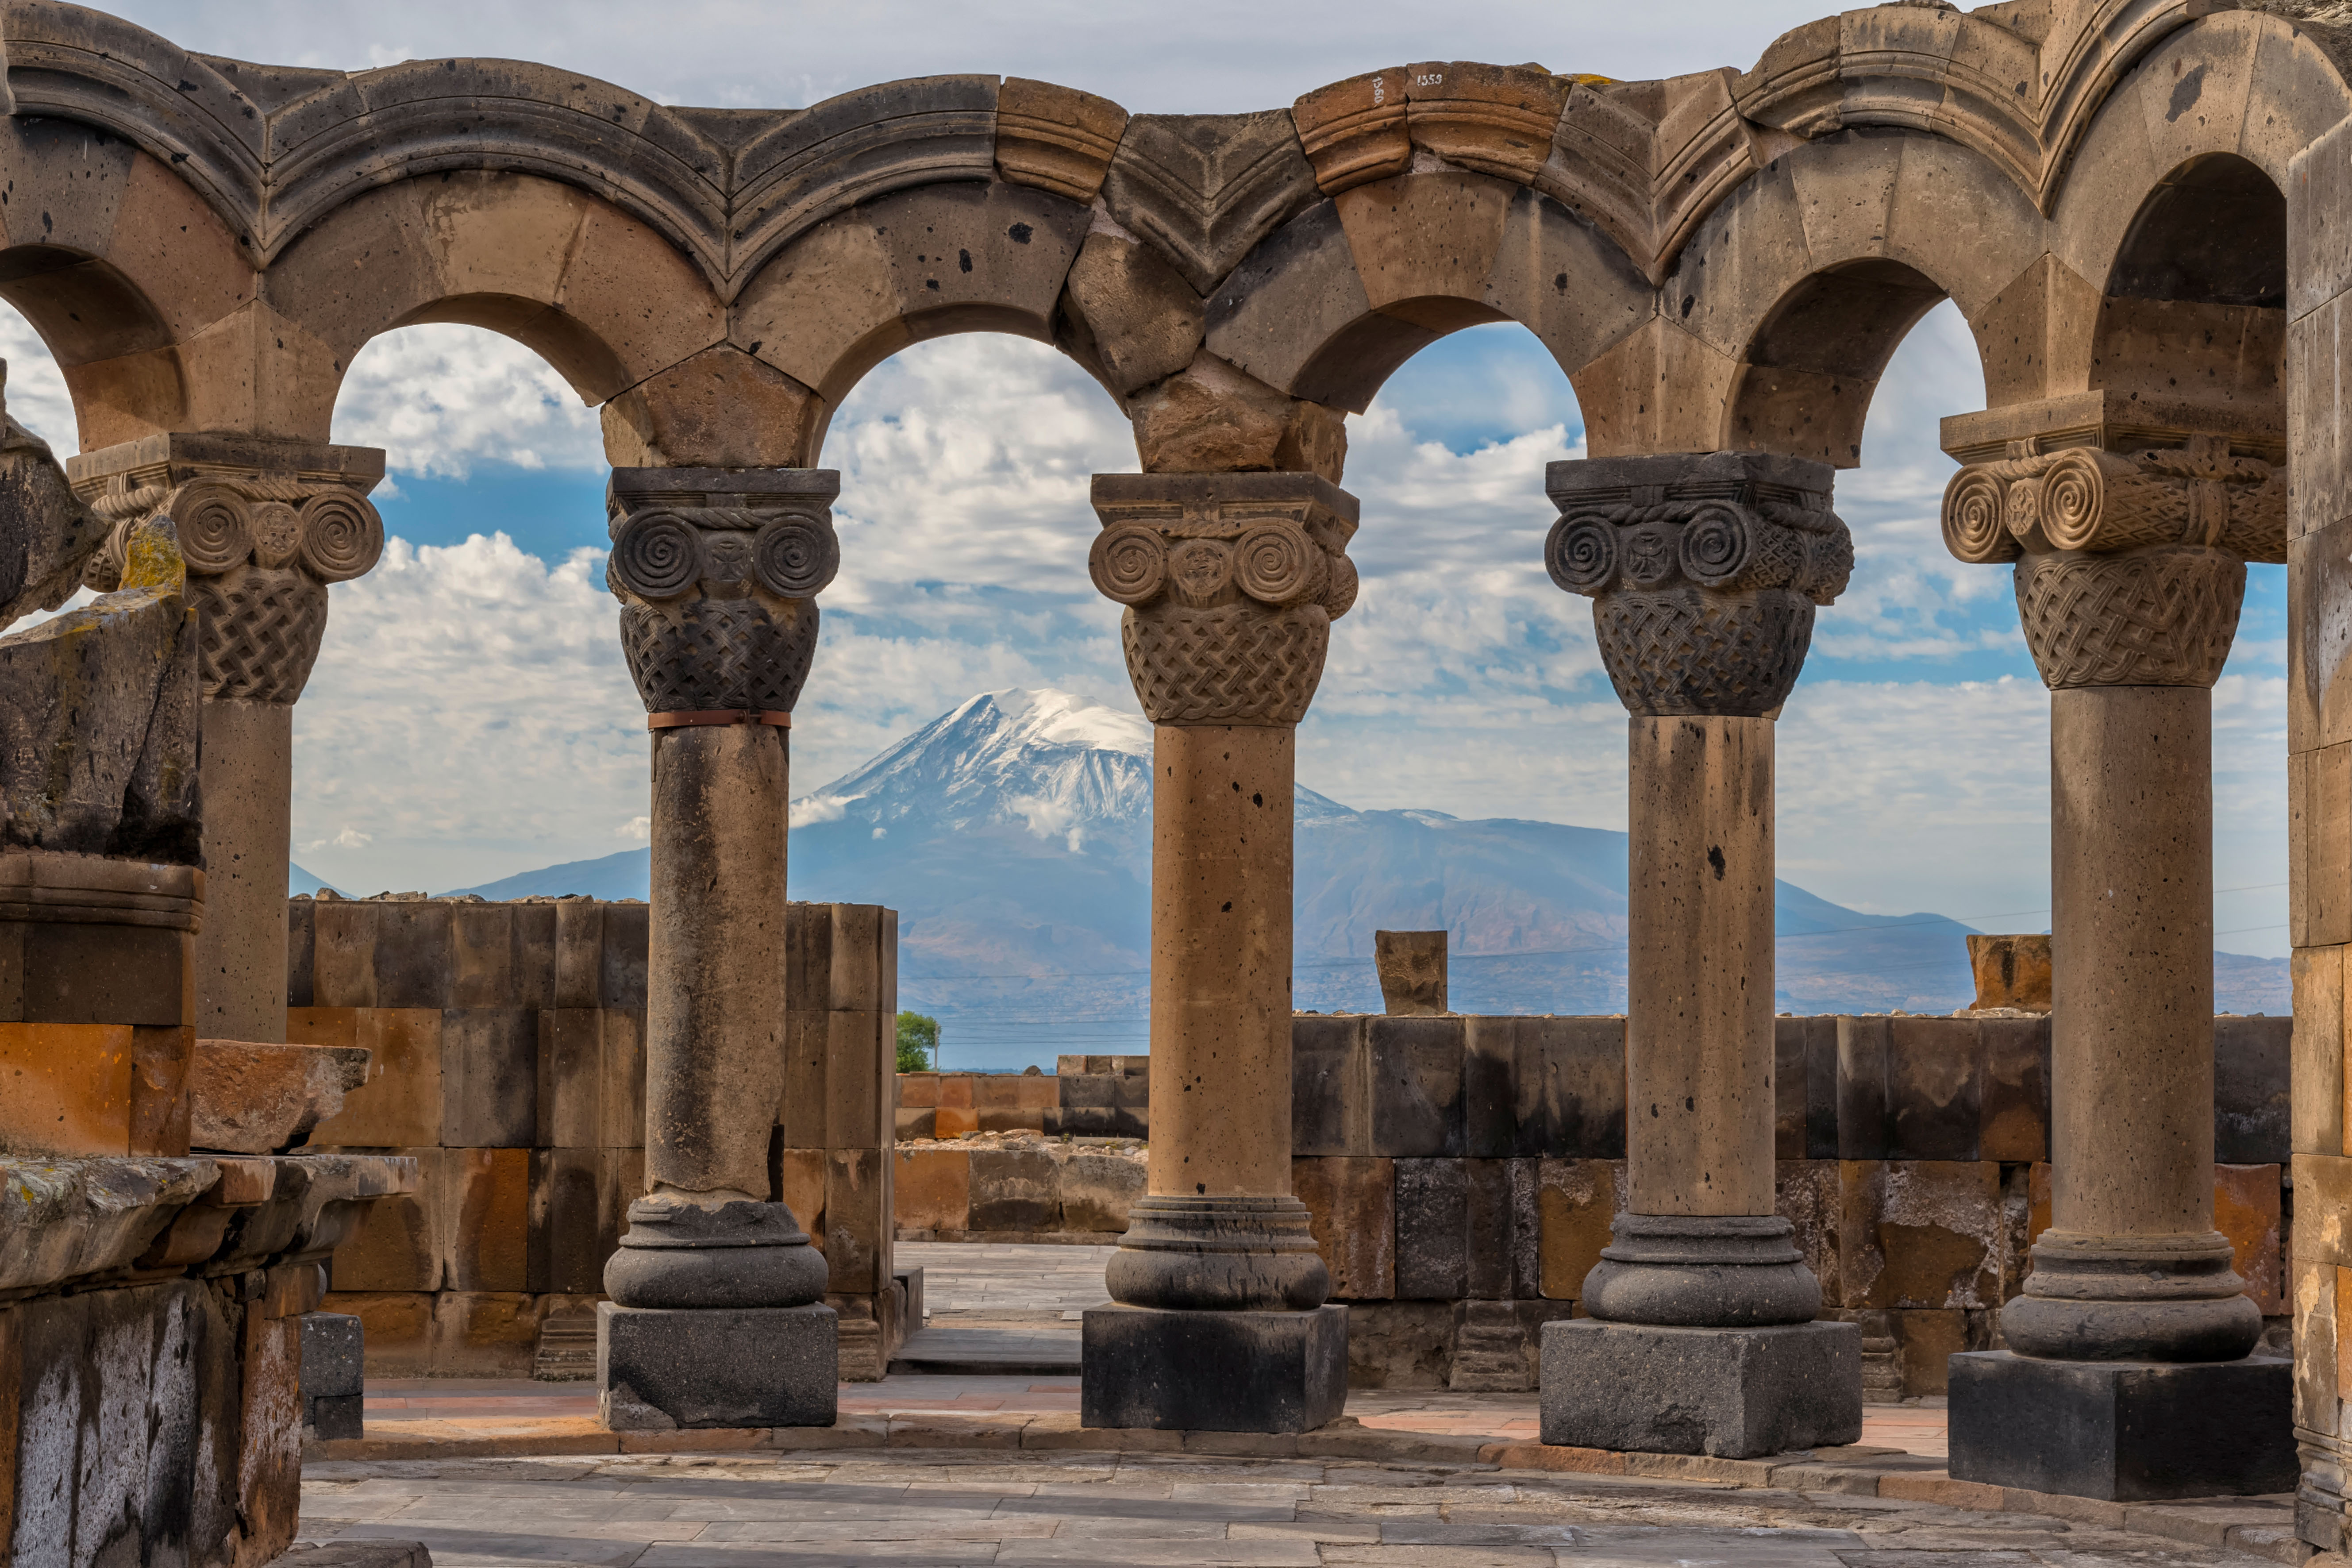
column 1140, row 1510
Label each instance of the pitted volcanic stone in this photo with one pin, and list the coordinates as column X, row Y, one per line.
column 737, row 1255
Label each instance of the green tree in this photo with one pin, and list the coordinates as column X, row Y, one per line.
column 918, row 1043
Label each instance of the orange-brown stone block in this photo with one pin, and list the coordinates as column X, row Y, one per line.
column 917, row 1090
column 857, row 1218
column 932, row 1189
column 1576, row 1202
column 65, row 1088
column 1920, row 1233
column 2011, row 971
column 488, row 1228
column 486, row 1334
column 396, row 1247
column 954, row 1122
column 1351, row 1210
column 2246, row 1210
column 800, row 1187
column 1926, row 1339
column 1037, row 1091
column 159, row 1088
column 956, row 1091
column 399, row 1107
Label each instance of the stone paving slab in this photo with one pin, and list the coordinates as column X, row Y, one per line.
column 946, row 1509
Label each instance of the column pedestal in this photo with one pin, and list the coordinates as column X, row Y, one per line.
column 1705, row 571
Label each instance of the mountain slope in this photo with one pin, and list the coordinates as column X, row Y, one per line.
column 1013, row 835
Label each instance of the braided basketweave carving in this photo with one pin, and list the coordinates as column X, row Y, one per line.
column 260, row 549
column 1231, row 586
column 718, row 607
column 1704, row 572
column 259, row 631
column 2162, row 615
column 2130, row 568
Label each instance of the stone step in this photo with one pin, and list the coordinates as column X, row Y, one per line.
column 567, row 1350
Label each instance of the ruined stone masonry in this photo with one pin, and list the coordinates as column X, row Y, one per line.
column 2139, row 207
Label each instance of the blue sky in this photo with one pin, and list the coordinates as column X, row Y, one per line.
column 471, row 718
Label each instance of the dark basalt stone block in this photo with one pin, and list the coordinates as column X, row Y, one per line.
column 1733, row 1394
column 660, row 1368
column 1213, row 1372
column 2124, row 1431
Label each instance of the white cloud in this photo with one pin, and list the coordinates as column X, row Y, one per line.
column 637, row 830
column 442, row 400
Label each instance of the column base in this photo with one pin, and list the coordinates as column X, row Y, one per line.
column 1213, row 1372
column 2124, row 1431
column 659, row 1369
column 1732, row 1394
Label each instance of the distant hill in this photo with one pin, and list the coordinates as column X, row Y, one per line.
column 1014, row 837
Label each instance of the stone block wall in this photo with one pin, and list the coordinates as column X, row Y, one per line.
column 1084, row 1097
column 1453, row 1161
column 509, row 1061
column 1020, row 1189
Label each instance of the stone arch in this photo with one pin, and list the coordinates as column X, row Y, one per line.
column 602, row 296
column 2237, row 84
column 127, row 273
column 1781, row 315
column 1327, row 306
column 2192, row 315
column 912, row 265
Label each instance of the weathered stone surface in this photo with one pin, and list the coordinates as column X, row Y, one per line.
column 932, row 1188
column 1576, row 1200
column 1099, row 1190
column 102, row 759
column 1416, row 1087
column 1351, row 1207
column 399, row 1106
column 2122, row 1431
column 1014, row 1189
column 69, row 1089
column 250, row 1099
column 1411, row 969
column 1210, row 417
column 2011, row 971
column 1921, row 1234
column 2246, row 1209
column 1732, row 1394
column 2253, row 1109
column 1568, row 1088
column 1129, row 314
column 1213, row 1372
column 1400, row 1344
column 1331, row 1088
column 1055, row 138
column 332, row 1355
column 1206, row 187
column 659, row 1371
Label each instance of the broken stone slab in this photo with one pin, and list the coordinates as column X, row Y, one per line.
column 1412, row 965
column 2011, row 971
column 46, row 535
column 248, row 1098
column 102, row 758
column 113, row 1218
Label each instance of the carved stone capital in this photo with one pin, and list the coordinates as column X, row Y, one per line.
column 1230, row 584
column 264, row 526
column 2130, row 566
column 1703, row 570
column 717, row 571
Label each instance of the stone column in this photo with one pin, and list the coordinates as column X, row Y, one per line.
column 265, row 525
column 717, row 1316
column 1231, row 583
column 2134, row 1328
column 1705, row 571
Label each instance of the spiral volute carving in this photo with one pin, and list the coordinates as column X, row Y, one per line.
column 795, row 556
column 657, row 555
column 1129, row 563
column 214, row 530
column 1581, row 552
column 717, row 598
column 1230, row 592
column 341, row 536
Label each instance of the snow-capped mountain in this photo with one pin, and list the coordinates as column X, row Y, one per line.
column 1014, row 837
